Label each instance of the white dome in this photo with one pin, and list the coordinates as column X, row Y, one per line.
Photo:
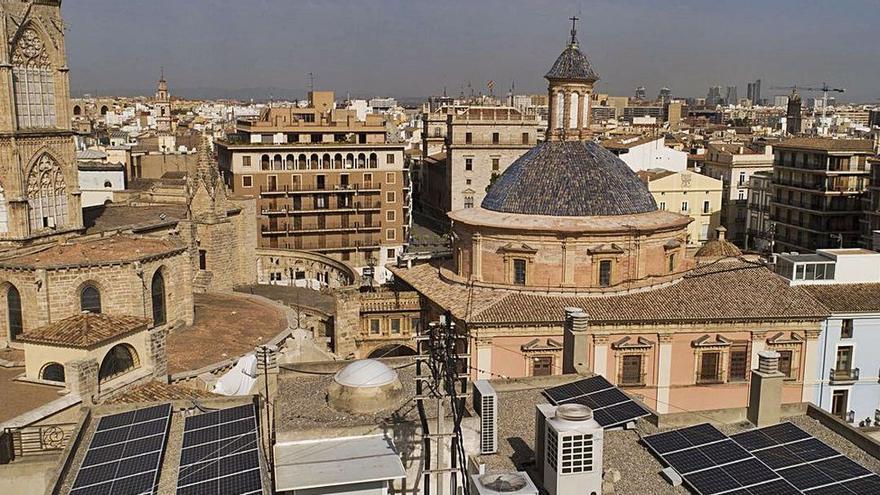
column 365, row 373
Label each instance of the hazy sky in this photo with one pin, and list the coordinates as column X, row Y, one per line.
column 414, row 47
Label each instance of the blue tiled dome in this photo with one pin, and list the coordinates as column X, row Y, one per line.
column 569, row 178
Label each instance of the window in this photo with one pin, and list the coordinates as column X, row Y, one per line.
column 496, row 164
column 468, row 138
column 671, row 263
column 203, row 259
column 846, row 329
column 47, row 195
column 90, row 299
column 631, row 370
column 390, row 197
column 157, row 295
column 840, row 403
column 525, row 138
column 247, row 181
column 468, row 164
column 542, row 366
column 14, row 315
column 390, row 178
column 108, row 184
column 395, row 325
column 740, row 195
column 467, row 181
column 53, row 372
column 843, row 364
column 368, row 179
column 496, row 138
column 32, row 78
column 374, row 326
column 785, row 363
column 605, row 273
column 120, row 359
column 742, row 178
column 389, row 159
column 415, row 324
column 390, row 216
column 390, row 234
column 739, row 363
column 390, row 254
column 519, row 272
column 662, row 205
column 684, row 206
column 706, row 206
column 710, row 367
column 468, row 201
column 264, row 162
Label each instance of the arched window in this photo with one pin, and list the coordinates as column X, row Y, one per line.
column 13, row 311
column 373, row 160
column 277, row 165
column 337, row 161
column 303, row 162
column 4, row 216
column 53, row 372
column 34, row 81
column 326, row 161
column 77, row 110
column 157, row 294
column 108, row 184
column 349, row 161
column 264, row 162
column 289, row 162
column 104, row 109
column 315, row 162
column 90, row 299
column 362, row 161
column 47, row 195
column 119, row 359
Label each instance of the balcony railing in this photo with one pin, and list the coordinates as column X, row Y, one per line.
column 844, row 375
column 34, row 440
column 316, row 188
column 631, row 381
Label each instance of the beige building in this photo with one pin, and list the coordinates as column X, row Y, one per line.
column 694, row 195
column 734, row 164
column 324, row 181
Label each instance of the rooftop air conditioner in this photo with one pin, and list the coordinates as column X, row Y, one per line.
column 486, row 407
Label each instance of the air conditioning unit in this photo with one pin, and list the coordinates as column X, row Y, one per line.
column 571, row 450
column 517, row 483
column 486, row 406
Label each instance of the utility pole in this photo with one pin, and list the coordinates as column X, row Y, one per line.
column 441, row 377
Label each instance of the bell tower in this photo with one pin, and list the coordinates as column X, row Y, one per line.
column 570, row 88
column 163, row 114
column 39, row 184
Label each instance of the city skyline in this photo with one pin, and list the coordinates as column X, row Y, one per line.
column 241, row 52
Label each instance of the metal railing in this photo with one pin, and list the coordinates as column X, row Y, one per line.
column 845, row 375
column 34, row 440
column 317, row 188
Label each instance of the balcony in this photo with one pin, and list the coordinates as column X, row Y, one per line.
column 324, row 245
column 843, row 375
column 294, row 229
column 367, row 187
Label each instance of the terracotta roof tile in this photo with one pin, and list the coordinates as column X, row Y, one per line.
column 120, row 248
column 84, row 330
column 847, row 298
column 156, row 391
column 827, row 144
column 718, row 248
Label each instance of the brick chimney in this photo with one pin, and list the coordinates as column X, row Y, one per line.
column 574, row 342
column 81, row 377
column 765, row 391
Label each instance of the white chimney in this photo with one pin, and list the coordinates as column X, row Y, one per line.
column 571, row 449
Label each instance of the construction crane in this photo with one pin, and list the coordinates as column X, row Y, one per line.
column 824, row 89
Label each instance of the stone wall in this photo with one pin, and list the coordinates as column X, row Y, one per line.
column 275, row 266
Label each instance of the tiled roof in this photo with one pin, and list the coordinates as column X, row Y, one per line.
column 572, row 178
column 572, row 65
column 84, row 329
column 116, row 249
column 827, row 144
column 847, row 298
column 156, row 391
column 728, row 290
column 718, row 248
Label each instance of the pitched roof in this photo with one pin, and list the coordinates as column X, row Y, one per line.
column 106, row 250
column 84, row 329
column 718, row 248
column 572, row 65
column 156, row 391
column 827, row 144
column 847, row 298
column 569, row 178
column 726, row 290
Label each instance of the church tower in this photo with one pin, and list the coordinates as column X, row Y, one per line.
column 570, row 88
column 163, row 115
column 39, row 185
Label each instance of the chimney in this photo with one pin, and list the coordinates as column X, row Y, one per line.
column 81, row 378
column 765, row 391
column 721, row 232
column 574, row 342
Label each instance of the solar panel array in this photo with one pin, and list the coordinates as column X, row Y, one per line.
column 611, row 407
column 220, row 453
column 806, row 462
column 125, row 453
column 777, row 460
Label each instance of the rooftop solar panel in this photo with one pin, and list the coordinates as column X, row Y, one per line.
column 611, row 406
column 125, row 453
column 220, row 453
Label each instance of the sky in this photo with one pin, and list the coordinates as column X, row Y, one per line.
column 414, row 48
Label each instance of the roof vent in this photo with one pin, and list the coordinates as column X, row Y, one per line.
column 507, row 482
column 574, row 412
column 768, row 362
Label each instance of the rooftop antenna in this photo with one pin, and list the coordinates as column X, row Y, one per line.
column 161, row 72
column 311, row 81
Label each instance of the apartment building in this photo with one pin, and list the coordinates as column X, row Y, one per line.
column 326, row 181
column 694, row 195
column 480, row 143
column 734, row 164
column 759, row 233
column 819, row 184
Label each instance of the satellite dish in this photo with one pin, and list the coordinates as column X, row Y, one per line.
column 508, row 482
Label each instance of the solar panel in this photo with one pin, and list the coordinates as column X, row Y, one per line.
column 125, row 453
column 611, row 406
column 220, row 453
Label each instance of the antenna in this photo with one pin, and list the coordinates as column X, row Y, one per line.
column 311, row 81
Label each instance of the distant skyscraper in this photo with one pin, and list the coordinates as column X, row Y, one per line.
column 793, row 114
column 641, row 93
column 754, row 92
column 714, row 96
column 780, row 101
column 731, row 98
column 665, row 94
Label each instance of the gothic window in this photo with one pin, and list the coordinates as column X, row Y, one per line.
column 33, row 82
column 53, row 372
column 4, row 218
column 120, row 359
column 13, row 311
column 90, row 299
column 47, row 195
column 157, row 294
